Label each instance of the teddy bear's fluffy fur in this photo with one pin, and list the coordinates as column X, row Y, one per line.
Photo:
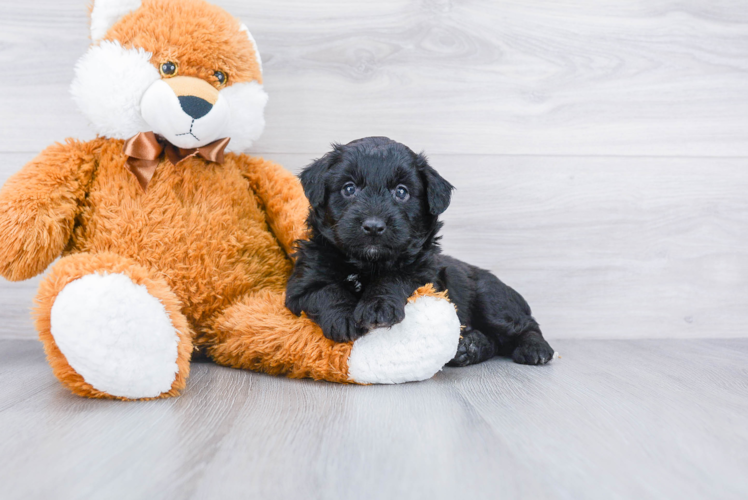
column 210, row 242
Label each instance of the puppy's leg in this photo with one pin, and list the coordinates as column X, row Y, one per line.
column 331, row 307
column 503, row 314
column 383, row 301
column 474, row 347
column 531, row 348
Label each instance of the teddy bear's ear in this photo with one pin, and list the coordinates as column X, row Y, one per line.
column 105, row 13
column 254, row 44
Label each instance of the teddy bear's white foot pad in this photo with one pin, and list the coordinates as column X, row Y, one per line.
column 412, row 350
column 116, row 335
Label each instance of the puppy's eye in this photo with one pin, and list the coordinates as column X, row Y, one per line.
column 349, row 189
column 168, row 69
column 401, row 193
column 221, row 77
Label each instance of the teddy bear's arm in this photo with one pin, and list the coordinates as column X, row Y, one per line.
column 283, row 198
column 38, row 205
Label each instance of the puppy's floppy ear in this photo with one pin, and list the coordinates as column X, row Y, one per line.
column 438, row 190
column 313, row 176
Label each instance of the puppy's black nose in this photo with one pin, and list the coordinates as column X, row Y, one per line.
column 374, row 226
column 196, row 107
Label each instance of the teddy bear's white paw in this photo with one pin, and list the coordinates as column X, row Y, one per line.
column 412, row 350
column 116, row 335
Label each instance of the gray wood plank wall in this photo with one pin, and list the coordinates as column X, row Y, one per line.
column 599, row 149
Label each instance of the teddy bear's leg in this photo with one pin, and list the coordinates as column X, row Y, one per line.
column 412, row 350
column 259, row 333
column 112, row 329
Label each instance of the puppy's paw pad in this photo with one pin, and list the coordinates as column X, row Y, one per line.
column 464, row 356
column 533, row 352
column 473, row 348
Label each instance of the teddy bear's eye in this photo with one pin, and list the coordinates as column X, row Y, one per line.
column 168, row 69
column 221, row 77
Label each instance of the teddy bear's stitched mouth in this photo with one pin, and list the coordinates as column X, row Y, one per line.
column 190, row 131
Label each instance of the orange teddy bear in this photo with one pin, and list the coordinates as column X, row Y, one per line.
column 169, row 244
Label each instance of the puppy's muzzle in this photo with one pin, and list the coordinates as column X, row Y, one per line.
column 373, row 226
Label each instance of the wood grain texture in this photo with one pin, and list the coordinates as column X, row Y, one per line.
column 549, row 117
column 666, row 77
column 610, row 419
column 606, row 247
column 600, row 247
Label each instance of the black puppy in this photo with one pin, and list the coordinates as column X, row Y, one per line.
column 374, row 223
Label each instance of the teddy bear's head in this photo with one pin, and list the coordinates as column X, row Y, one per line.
column 183, row 69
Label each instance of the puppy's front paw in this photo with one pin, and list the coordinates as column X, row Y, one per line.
column 342, row 328
column 532, row 349
column 379, row 312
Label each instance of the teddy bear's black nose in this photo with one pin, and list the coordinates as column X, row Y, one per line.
column 195, row 106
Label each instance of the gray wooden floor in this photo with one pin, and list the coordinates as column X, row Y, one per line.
column 610, row 419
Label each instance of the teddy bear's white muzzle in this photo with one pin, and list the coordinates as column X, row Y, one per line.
column 188, row 120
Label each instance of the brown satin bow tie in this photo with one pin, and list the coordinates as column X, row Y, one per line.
column 144, row 150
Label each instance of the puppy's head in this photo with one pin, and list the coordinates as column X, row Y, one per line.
column 375, row 199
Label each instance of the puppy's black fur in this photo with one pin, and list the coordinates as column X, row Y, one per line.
column 374, row 222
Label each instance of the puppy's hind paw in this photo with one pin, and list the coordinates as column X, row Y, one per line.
column 533, row 349
column 474, row 347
